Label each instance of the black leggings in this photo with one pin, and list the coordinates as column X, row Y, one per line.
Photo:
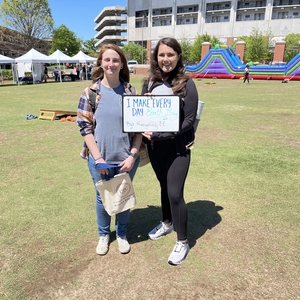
column 171, row 171
column 246, row 77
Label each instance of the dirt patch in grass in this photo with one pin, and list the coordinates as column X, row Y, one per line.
column 59, row 274
column 209, row 134
column 235, row 259
column 221, row 265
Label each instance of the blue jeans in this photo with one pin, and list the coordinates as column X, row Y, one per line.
column 103, row 219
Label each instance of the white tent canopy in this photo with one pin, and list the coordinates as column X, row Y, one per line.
column 60, row 57
column 6, row 60
column 34, row 56
column 83, row 58
column 33, row 59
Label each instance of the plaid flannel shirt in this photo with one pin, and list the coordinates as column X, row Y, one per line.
column 85, row 115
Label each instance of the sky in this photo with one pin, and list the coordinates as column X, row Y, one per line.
column 79, row 15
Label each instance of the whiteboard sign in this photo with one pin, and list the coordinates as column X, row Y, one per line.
column 151, row 113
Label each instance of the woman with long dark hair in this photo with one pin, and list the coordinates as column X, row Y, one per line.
column 170, row 152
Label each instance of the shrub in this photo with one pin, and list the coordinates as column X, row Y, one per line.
column 7, row 74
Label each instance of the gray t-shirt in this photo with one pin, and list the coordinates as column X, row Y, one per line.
column 164, row 89
column 113, row 143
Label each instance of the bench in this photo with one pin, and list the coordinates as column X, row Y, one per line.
column 52, row 114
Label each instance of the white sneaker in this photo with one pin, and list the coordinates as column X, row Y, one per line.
column 179, row 253
column 102, row 247
column 161, row 230
column 123, row 244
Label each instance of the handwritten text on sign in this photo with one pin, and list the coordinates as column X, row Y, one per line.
column 150, row 113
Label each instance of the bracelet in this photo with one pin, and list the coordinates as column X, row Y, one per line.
column 98, row 158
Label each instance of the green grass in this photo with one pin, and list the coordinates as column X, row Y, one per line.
column 243, row 184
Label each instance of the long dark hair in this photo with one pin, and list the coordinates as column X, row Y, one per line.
column 176, row 77
column 99, row 73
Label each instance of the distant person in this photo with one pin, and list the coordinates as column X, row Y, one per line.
column 246, row 74
column 89, row 71
column 45, row 75
column 78, row 71
column 56, row 74
column 83, row 74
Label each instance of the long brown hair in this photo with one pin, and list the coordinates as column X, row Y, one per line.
column 176, row 78
column 99, row 73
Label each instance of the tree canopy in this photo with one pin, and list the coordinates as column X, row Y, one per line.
column 65, row 40
column 89, row 47
column 31, row 18
column 134, row 51
column 196, row 48
column 186, row 48
column 257, row 45
column 292, row 45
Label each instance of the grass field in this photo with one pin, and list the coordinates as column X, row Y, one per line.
column 242, row 193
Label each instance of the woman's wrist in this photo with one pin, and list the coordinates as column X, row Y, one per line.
column 134, row 155
column 98, row 158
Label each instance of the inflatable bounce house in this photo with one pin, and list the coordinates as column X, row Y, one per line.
column 223, row 63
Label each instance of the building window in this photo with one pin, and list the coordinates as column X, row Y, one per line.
column 215, row 19
column 162, row 11
column 141, row 13
column 187, row 9
column 259, row 16
column 282, row 15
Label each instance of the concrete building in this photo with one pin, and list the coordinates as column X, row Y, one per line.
column 111, row 23
column 150, row 20
column 226, row 20
column 13, row 44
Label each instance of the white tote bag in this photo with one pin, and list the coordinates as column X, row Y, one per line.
column 117, row 193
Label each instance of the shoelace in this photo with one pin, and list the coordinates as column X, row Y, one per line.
column 178, row 246
column 103, row 240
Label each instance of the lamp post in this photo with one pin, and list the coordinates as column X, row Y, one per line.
column 143, row 38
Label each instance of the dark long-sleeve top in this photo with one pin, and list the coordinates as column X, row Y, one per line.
column 188, row 109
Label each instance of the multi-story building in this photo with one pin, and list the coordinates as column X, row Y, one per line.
column 146, row 21
column 12, row 43
column 111, row 23
column 227, row 20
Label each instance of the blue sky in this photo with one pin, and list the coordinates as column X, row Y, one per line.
column 79, row 15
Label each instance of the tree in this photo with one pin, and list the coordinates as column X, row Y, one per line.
column 186, row 48
column 31, row 18
column 134, row 52
column 257, row 45
column 196, row 48
column 292, row 46
column 65, row 40
column 90, row 48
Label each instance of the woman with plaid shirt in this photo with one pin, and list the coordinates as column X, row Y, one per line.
column 104, row 138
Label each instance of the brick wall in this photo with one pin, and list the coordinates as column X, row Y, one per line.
column 279, row 52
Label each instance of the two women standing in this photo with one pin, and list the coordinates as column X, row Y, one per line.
column 169, row 152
